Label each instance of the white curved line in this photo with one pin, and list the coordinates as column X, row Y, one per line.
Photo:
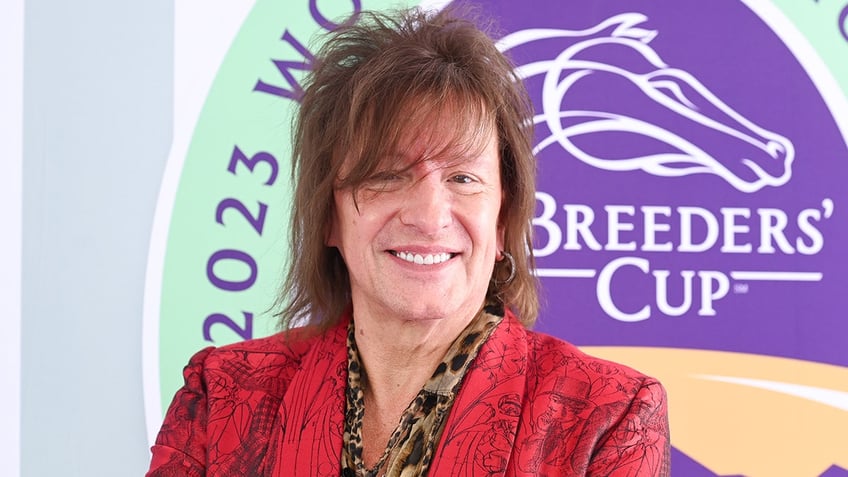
column 693, row 115
column 626, row 22
column 817, row 70
column 721, row 105
column 653, row 164
column 434, row 5
column 829, row 397
column 203, row 32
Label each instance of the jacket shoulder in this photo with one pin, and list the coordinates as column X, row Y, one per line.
column 262, row 364
column 614, row 418
column 558, row 366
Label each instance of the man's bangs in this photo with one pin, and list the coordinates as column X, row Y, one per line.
column 429, row 128
column 453, row 130
column 453, row 127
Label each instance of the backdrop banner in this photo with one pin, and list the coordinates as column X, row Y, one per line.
column 690, row 205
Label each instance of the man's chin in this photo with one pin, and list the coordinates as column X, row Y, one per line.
column 438, row 311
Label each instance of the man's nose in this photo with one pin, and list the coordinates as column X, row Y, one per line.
column 427, row 206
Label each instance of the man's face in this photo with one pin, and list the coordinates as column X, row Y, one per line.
column 421, row 238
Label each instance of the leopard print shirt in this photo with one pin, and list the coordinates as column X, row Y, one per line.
column 411, row 445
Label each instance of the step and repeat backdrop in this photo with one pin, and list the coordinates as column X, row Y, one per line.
column 691, row 204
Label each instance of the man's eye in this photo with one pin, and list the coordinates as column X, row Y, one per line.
column 383, row 181
column 385, row 176
column 462, row 179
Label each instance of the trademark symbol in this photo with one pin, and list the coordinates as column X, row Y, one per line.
column 740, row 288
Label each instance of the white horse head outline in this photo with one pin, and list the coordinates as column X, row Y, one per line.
column 766, row 157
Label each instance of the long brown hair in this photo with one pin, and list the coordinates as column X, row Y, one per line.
column 376, row 78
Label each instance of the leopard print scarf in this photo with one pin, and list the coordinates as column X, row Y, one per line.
column 411, row 445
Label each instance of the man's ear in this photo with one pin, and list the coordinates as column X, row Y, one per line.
column 331, row 230
column 501, row 238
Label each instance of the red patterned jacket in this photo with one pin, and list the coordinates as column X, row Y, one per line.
column 530, row 405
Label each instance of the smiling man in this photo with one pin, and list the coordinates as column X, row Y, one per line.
column 411, row 237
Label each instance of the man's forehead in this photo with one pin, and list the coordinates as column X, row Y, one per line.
column 446, row 132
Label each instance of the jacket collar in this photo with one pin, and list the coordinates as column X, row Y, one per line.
column 479, row 433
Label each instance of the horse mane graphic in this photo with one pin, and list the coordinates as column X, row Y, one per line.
column 609, row 100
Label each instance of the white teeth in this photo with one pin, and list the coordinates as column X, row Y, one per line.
column 428, row 259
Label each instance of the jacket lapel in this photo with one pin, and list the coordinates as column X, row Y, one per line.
column 480, row 431
column 312, row 410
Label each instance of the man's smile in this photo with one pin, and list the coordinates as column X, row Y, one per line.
column 423, row 259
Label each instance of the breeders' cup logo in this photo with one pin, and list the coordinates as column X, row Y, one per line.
column 685, row 120
column 606, row 97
